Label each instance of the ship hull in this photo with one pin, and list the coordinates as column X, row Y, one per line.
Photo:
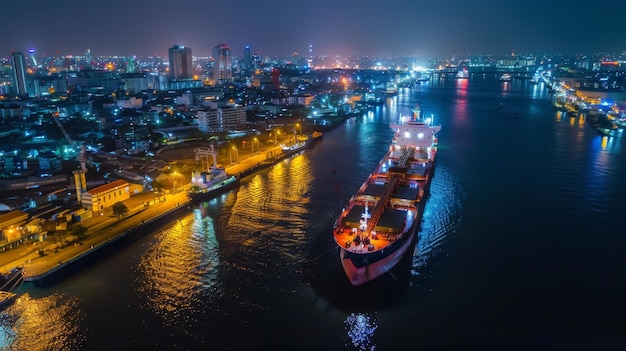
column 360, row 272
column 362, row 268
column 208, row 195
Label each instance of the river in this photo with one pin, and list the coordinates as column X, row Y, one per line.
column 520, row 247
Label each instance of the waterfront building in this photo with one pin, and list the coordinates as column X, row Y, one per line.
column 106, row 195
column 222, row 67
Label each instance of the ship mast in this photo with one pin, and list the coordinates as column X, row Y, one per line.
column 203, row 152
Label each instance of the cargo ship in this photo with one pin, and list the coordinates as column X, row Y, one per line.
column 212, row 182
column 379, row 224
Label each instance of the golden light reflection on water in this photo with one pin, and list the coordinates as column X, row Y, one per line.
column 191, row 264
column 279, row 195
column 184, row 260
column 48, row 323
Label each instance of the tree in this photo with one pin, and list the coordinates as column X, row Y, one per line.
column 60, row 238
column 79, row 231
column 120, row 210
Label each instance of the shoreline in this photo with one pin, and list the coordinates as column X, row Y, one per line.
column 105, row 231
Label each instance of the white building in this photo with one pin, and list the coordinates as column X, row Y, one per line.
column 220, row 119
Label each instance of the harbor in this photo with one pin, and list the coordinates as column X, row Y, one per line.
column 487, row 246
column 41, row 261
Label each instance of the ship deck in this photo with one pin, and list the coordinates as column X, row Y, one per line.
column 392, row 223
column 396, row 218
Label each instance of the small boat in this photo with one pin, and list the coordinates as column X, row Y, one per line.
column 206, row 185
column 379, row 224
column 462, row 74
column 391, row 88
column 317, row 135
column 506, row 77
column 301, row 143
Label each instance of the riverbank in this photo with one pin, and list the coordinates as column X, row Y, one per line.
column 147, row 211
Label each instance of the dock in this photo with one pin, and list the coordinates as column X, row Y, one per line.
column 147, row 211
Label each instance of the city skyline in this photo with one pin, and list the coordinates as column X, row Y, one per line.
column 279, row 29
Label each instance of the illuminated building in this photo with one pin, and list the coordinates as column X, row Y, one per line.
column 222, row 69
column 107, row 195
column 181, row 66
column 247, row 61
column 220, row 119
column 19, row 73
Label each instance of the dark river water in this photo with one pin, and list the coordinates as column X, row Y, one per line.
column 521, row 247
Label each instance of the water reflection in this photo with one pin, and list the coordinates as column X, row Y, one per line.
column 442, row 216
column 181, row 267
column 361, row 328
column 49, row 323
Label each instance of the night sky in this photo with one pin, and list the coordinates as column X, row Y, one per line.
column 333, row 27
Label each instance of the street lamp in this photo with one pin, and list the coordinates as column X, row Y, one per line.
column 257, row 144
column 295, row 130
column 276, row 136
column 176, row 174
column 236, row 154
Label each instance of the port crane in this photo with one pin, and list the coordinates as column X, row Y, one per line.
column 79, row 175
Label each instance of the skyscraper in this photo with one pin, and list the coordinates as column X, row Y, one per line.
column 181, row 66
column 247, row 61
column 19, row 73
column 222, row 68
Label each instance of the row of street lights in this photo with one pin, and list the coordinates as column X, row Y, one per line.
column 234, row 149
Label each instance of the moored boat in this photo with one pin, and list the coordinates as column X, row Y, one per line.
column 391, row 88
column 505, row 77
column 462, row 74
column 212, row 182
column 316, row 135
column 377, row 227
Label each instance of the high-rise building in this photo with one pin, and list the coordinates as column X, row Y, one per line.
column 222, row 68
column 247, row 61
column 181, row 66
column 19, row 73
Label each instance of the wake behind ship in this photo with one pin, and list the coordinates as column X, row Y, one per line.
column 378, row 225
